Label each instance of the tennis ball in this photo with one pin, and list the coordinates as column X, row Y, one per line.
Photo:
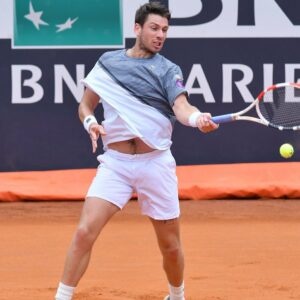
column 286, row 150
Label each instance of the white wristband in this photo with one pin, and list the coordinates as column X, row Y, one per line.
column 88, row 121
column 193, row 118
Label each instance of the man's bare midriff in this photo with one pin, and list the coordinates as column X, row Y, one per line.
column 133, row 146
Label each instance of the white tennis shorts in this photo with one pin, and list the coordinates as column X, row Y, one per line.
column 152, row 176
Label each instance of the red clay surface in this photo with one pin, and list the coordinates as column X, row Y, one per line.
column 234, row 250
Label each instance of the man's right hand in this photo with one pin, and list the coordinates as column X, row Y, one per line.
column 95, row 131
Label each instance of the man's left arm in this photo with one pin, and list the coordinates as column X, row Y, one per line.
column 190, row 115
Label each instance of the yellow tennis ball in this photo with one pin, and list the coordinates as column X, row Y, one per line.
column 286, row 150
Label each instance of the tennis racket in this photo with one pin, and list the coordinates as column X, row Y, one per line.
column 277, row 106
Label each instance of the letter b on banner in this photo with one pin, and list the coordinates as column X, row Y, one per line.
column 32, row 83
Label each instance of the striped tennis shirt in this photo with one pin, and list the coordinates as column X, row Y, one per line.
column 137, row 95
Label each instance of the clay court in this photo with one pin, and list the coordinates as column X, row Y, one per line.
column 239, row 193
column 234, row 250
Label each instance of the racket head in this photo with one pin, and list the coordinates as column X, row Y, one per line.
column 279, row 106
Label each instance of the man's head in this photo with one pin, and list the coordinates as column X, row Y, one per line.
column 155, row 8
column 151, row 26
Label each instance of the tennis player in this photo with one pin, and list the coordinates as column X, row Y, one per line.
column 142, row 94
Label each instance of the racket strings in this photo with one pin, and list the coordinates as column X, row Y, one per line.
column 281, row 106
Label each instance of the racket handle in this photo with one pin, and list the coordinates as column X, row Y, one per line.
column 222, row 119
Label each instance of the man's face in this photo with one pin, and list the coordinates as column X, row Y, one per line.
column 152, row 35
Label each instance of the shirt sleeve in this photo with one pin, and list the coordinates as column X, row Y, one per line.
column 91, row 80
column 174, row 84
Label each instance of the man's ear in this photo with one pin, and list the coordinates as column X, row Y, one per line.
column 137, row 29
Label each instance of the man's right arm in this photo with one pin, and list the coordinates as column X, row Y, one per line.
column 88, row 104
column 86, row 109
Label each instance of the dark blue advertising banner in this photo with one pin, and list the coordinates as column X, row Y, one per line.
column 223, row 71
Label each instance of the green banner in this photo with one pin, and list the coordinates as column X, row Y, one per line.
column 68, row 23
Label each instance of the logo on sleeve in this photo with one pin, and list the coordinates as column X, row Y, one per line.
column 179, row 81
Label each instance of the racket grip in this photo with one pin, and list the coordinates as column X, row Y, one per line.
column 222, row 119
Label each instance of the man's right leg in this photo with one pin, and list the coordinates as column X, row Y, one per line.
column 95, row 214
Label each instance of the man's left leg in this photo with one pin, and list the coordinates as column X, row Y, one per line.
column 168, row 237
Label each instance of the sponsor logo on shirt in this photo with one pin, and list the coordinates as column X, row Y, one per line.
column 179, row 81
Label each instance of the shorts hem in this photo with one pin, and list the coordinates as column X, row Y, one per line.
column 161, row 218
column 107, row 200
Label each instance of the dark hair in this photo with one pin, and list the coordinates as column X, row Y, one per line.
column 153, row 7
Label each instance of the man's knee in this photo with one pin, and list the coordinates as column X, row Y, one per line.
column 84, row 238
column 173, row 252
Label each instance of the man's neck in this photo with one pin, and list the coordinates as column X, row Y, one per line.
column 136, row 52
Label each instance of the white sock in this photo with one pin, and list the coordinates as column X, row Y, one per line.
column 176, row 292
column 64, row 292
